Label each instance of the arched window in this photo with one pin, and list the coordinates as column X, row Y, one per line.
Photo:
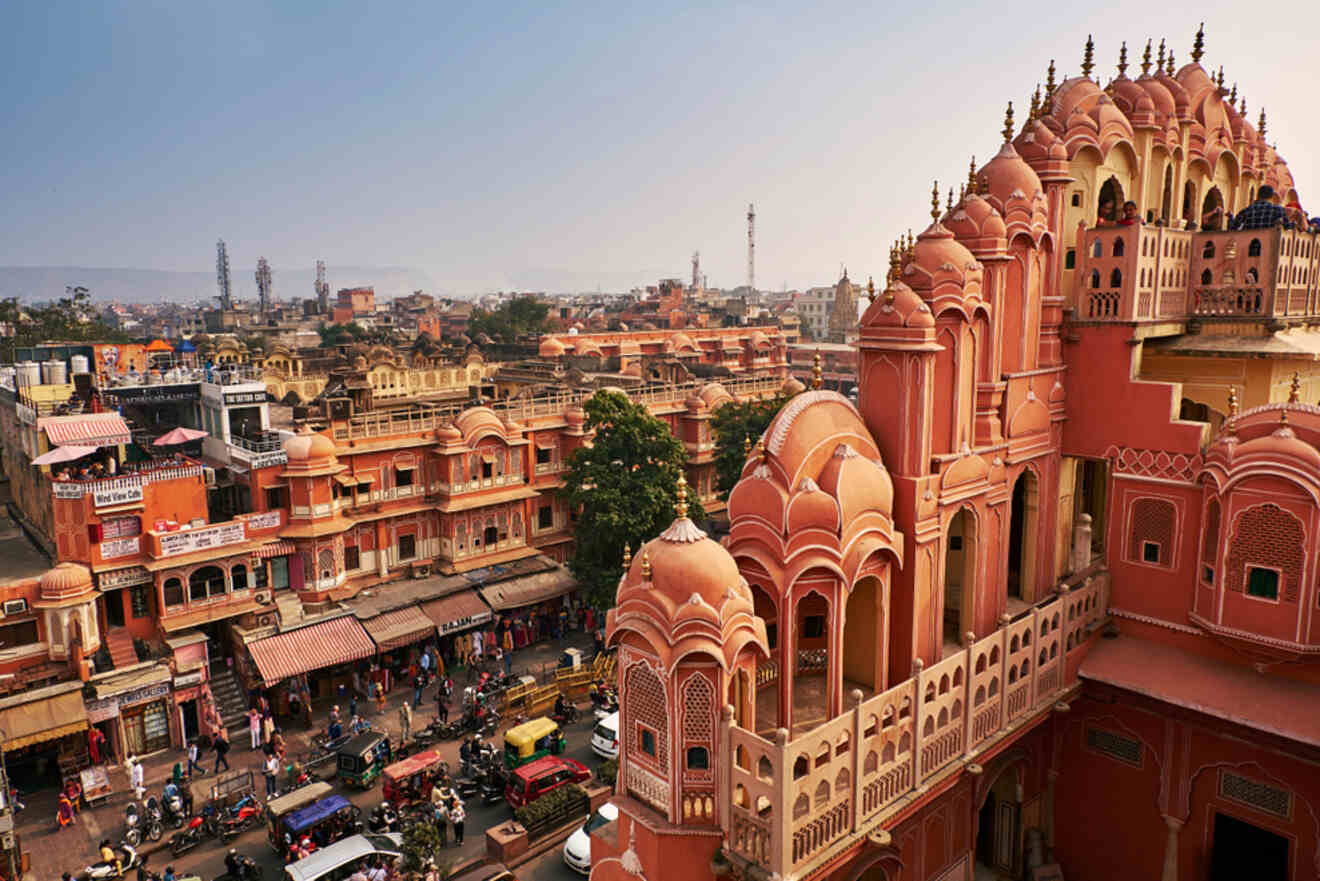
column 208, row 581
column 698, row 759
column 1253, row 249
column 1207, row 277
column 1095, row 279
column 1098, row 249
column 1119, row 247
column 1208, row 251
column 173, row 592
column 238, row 577
column 1116, row 278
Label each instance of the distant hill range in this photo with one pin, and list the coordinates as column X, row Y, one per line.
column 42, row 283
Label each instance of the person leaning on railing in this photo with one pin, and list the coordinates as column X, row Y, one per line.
column 1262, row 213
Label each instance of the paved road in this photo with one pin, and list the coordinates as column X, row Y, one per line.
column 207, row 860
column 549, row 866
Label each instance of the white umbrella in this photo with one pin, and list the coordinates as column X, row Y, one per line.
column 63, row 454
column 178, row 436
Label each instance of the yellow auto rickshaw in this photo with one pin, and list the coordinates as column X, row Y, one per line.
column 531, row 740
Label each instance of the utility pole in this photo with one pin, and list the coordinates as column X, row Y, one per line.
column 751, row 250
column 263, row 285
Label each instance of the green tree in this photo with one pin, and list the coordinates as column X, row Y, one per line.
column 422, row 845
column 624, row 488
column 518, row 317
column 737, row 424
column 69, row 319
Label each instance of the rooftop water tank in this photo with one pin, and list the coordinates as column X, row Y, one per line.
column 55, row 372
column 80, row 364
column 28, row 373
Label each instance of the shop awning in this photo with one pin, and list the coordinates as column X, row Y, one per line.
column 278, row 549
column 310, row 648
column 458, row 611
column 90, row 430
column 528, row 589
column 345, row 480
column 400, row 627
column 43, row 718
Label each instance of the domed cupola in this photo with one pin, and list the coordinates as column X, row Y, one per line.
column 1042, row 149
column 941, row 268
column 977, row 226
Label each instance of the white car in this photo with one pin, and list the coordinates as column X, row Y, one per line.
column 605, row 738
column 577, row 850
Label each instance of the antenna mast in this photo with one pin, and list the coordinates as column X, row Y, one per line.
column 263, row 284
column 696, row 270
column 322, row 289
column 751, row 250
column 222, row 275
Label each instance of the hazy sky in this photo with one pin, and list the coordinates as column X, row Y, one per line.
column 546, row 146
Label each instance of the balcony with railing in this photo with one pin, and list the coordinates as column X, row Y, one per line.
column 1147, row 273
column 792, row 805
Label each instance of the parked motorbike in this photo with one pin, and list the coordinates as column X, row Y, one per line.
column 105, row 871
column 567, row 716
column 132, row 824
column 153, row 819
column 240, row 868
column 200, row 826
column 174, row 811
column 240, row 818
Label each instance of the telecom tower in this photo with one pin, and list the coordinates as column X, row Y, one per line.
column 696, row 270
column 322, row 288
column 751, row 250
column 263, row 285
column 222, row 275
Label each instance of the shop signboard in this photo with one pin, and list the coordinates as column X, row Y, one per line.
column 133, row 575
column 67, row 489
column 174, row 543
column 183, row 680
column 101, row 709
column 268, row 520
column 144, row 694
column 120, row 547
column 236, row 398
column 464, row 623
column 266, row 460
column 117, row 492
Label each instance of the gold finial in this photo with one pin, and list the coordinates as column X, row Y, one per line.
column 681, row 507
column 1295, row 389
column 1232, row 402
column 935, row 202
column 870, row 289
column 627, row 556
column 1159, row 61
column 911, row 244
column 1260, row 125
column 1049, row 82
column 894, row 260
column 1145, row 60
column 1008, row 123
column 1198, row 45
column 1283, row 418
column 1088, row 57
column 962, row 192
column 1232, row 96
column 817, row 380
column 747, row 446
column 1242, row 106
column 971, row 176
column 1219, row 80
column 949, row 206
column 1122, row 61
column 646, row 565
column 1171, row 68
column 1034, row 113
column 760, row 447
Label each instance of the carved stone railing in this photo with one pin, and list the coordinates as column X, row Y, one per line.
column 793, row 805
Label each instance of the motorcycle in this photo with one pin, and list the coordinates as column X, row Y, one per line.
column 105, row 871
column 383, row 819
column 604, row 703
column 241, row 868
column 199, row 826
column 132, row 824
column 175, row 814
column 241, row 816
column 154, row 819
column 567, row 716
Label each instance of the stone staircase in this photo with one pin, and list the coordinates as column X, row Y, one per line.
column 119, row 643
column 230, row 698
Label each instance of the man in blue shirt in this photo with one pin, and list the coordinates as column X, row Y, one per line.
column 1262, row 213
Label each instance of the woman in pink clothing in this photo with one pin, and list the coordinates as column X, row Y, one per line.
column 254, row 726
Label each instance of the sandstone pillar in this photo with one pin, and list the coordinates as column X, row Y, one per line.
column 1170, row 872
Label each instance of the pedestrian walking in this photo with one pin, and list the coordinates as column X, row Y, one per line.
column 221, row 750
column 254, row 726
column 352, row 706
column 441, row 817
column 417, row 689
column 136, row 778
column 277, row 741
column 267, row 725
column 457, row 817
column 272, row 775
column 405, row 722
column 194, row 752
column 441, row 708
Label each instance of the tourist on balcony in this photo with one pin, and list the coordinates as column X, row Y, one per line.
column 1262, row 213
column 1213, row 220
column 1106, row 216
column 1130, row 216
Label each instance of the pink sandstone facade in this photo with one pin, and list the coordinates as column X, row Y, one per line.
column 1009, row 610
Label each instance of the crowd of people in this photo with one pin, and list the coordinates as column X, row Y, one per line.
column 1265, row 212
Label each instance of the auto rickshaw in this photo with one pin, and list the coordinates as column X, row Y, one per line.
column 411, row 780
column 279, row 808
column 531, row 740
column 363, row 758
column 324, row 822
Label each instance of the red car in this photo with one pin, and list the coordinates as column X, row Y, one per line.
column 534, row 779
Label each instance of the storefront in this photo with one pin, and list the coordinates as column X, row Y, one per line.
column 532, row 607
column 398, row 635
column 133, row 710
column 318, row 658
column 191, row 673
column 44, row 733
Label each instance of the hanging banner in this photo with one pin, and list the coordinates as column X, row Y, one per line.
column 173, row 543
column 129, row 577
column 67, row 490
column 120, row 547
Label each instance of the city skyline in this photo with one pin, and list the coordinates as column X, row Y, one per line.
column 547, row 147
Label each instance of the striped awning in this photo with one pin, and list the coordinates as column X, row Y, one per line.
column 310, row 648
column 458, row 611
column 278, row 549
column 44, row 719
column 90, row 430
column 400, row 627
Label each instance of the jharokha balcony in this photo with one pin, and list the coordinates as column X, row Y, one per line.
column 1153, row 274
column 847, row 778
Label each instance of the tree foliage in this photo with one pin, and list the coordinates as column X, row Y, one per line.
column 70, row 319
column 735, row 424
column 518, row 317
column 422, row 845
column 624, row 486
